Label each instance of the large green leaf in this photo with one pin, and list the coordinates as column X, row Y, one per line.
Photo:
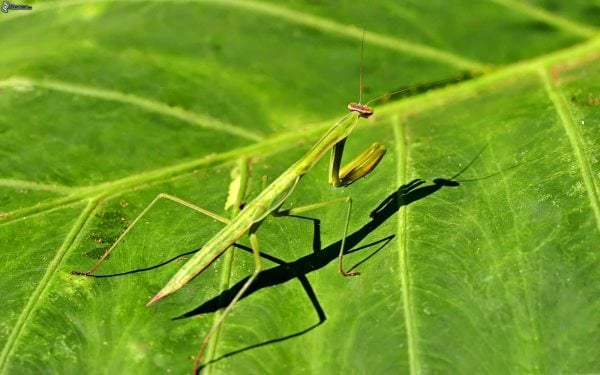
column 477, row 236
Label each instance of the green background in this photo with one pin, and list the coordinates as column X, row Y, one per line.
column 105, row 104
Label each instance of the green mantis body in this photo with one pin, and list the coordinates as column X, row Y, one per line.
column 275, row 195
column 269, row 202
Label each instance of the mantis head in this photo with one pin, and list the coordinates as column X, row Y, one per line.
column 363, row 111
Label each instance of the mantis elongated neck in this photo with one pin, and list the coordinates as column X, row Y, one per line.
column 333, row 135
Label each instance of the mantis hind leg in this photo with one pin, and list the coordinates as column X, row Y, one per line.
column 137, row 219
column 257, row 268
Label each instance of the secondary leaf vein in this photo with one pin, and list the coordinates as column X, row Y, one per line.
column 568, row 122
column 313, row 21
column 44, row 283
column 179, row 113
column 543, row 15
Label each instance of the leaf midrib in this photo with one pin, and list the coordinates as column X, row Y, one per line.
column 287, row 140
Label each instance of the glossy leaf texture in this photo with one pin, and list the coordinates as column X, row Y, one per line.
column 476, row 237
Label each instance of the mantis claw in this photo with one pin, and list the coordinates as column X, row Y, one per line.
column 79, row 273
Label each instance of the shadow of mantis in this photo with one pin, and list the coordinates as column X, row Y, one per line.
column 319, row 258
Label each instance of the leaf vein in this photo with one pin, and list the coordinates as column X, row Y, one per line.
column 179, row 113
column 577, row 143
column 309, row 20
column 29, row 185
column 404, row 265
column 44, row 283
column 543, row 15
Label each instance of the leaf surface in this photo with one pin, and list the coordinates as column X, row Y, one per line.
column 476, row 237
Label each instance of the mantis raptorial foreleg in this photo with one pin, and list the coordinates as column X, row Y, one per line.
column 139, row 217
column 364, row 163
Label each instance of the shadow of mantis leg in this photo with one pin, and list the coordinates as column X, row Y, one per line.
column 314, row 206
column 137, row 219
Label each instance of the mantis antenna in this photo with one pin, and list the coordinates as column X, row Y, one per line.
column 360, row 77
column 362, row 110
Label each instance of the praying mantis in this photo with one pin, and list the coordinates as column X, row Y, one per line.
column 269, row 202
